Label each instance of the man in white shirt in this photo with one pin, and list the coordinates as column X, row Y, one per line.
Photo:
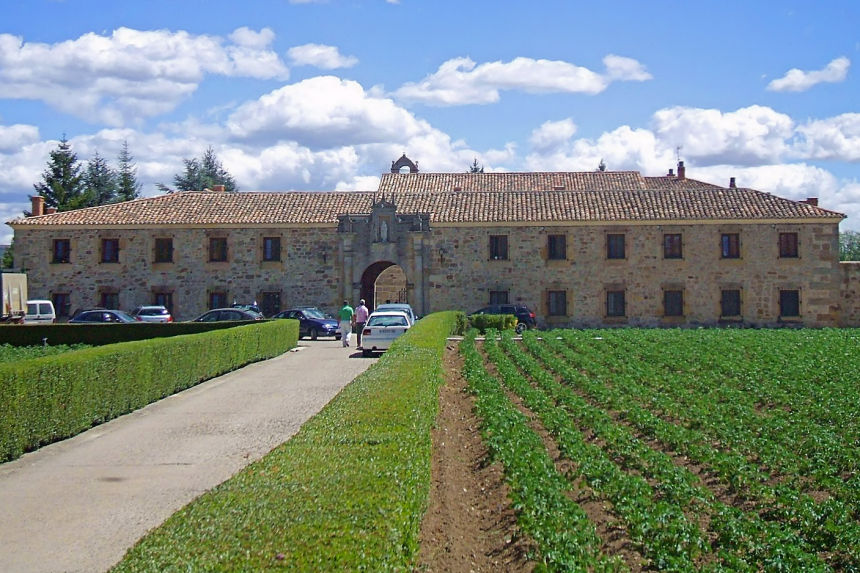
column 360, row 318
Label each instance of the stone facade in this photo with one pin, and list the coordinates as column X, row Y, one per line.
column 442, row 250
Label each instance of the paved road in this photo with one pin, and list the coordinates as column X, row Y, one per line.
column 78, row 505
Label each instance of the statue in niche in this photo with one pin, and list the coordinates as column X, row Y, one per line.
column 383, row 231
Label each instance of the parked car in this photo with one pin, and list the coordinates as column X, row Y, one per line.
column 152, row 313
column 250, row 307
column 381, row 329
column 224, row 314
column 40, row 312
column 401, row 306
column 103, row 316
column 312, row 322
column 525, row 317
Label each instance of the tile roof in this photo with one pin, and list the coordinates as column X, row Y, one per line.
column 495, row 206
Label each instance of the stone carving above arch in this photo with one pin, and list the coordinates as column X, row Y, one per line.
column 404, row 161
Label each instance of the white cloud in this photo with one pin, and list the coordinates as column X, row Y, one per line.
column 461, row 81
column 320, row 56
column 749, row 135
column 552, row 134
column 796, row 80
column 13, row 137
column 832, row 138
column 130, row 73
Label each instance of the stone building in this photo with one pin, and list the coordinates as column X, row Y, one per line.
column 581, row 249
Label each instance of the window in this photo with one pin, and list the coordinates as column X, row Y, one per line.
column 110, row 252
column 614, row 246
column 556, row 303
column 498, row 247
column 271, row 303
column 217, row 249
column 498, row 297
column 217, row 299
column 672, row 246
column 62, row 303
column 164, row 299
column 788, row 245
column 109, row 300
column 673, row 303
column 163, row 250
column 615, row 305
column 789, row 303
column 730, row 246
column 730, row 302
column 556, row 246
column 271, row 248
column 62, row 251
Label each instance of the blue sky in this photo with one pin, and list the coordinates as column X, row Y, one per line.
column 322, row 95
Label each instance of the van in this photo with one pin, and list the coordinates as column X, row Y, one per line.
column 40, row 312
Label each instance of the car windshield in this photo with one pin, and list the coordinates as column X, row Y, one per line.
column 314, row 313
column 387, row 321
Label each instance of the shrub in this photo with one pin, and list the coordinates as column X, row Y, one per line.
column 54, row 397
column 485, row 322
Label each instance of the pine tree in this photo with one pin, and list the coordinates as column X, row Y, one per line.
column 127, row 185
column 62, row 183
column 475, row 168
column 8, row 260
column 202, row 173
column 100, row 182
column 849, row 246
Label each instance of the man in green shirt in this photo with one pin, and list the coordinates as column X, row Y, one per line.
column 345, row 315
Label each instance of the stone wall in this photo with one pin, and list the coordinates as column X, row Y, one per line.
column 850, row 272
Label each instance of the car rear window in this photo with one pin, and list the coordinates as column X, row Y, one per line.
column 387, row 321
column 152, row 311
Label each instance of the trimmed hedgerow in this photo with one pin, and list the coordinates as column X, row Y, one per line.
column 485, row 322
column 54, row 397
column 346, row 493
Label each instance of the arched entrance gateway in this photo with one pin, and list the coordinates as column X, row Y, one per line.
column 384, row 281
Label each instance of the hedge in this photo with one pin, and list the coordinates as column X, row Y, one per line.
column 485, row 322
column 47, row 399
column 346, row 493
column 98, row 334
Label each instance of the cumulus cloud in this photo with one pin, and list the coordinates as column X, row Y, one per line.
column 552, row 134
column 796, row 80
column 130, row 73
column 320, row 56
column 461, row 81
column 13, row 137
column 832, row 138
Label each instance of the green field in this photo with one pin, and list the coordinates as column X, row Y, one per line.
column 9, row 353
column 709, row 449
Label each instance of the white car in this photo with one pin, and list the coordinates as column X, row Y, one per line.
column 381, row 329
column 402, row 307
column 152, row 313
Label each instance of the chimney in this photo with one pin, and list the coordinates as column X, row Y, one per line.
column 682, row 172
column 38, row 205
column 671, row 173
column 218, row 188
column 50, row 210
column 812, row 201
column 732, row 183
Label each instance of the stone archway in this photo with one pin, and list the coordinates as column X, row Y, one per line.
column 381, row 281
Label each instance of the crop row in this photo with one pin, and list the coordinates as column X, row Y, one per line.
column 829, row 525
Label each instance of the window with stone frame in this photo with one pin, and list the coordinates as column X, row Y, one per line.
column 271, row 248
column 217, row 299
column 788, row 246
column 672, row 246
column 730, row 245
column 62, row 251
column 498, row 247
column 165, row 299
column 217, row 249
column 730, row 302
column 163, row 250
column 789, row 303
column 110, row 251
column 556, row 303
column 556, row 247
column 616, row 305
column 615, row 246
column 673, row 302
column 498, row 297
column 109, row 299
column 270, row 303
column 62, row 304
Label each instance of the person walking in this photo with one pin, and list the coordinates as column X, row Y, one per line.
column 361, row 314
column 345, row 315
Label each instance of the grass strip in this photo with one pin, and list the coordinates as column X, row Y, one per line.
column 346, row 493
column 47, row 399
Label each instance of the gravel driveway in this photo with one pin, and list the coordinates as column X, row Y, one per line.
column 78, row 505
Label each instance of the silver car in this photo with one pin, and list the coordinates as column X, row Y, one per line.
column 399, row 306
column 152, row 313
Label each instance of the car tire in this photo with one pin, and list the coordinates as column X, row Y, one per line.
column 314, row 334
column 521, row 326
column 367, row 353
